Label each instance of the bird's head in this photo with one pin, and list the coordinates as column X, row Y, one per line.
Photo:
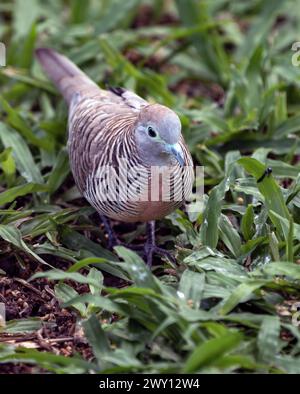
column 157, row 134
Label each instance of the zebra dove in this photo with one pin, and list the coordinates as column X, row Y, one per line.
column 113, row 133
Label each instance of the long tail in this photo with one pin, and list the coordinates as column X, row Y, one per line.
column 67, row 77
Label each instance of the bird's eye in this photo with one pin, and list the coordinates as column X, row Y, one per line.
column 151, row 132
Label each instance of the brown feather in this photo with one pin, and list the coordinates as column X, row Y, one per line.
column 101, row 133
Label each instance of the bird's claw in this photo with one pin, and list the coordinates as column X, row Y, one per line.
column 149, row 247
column 150, row 250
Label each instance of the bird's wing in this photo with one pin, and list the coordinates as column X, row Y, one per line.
column 128, row 98
column 95, row 126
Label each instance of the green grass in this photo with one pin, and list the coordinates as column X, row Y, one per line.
column 226, row 68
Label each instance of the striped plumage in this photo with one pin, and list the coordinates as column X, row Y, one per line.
column 102, row 132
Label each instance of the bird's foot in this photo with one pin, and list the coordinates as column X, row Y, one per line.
column 113, row 240
column 151, row 248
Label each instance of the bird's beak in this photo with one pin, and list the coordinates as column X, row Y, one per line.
column 176, row 150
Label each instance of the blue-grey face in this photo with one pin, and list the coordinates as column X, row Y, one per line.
column 158, row 137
